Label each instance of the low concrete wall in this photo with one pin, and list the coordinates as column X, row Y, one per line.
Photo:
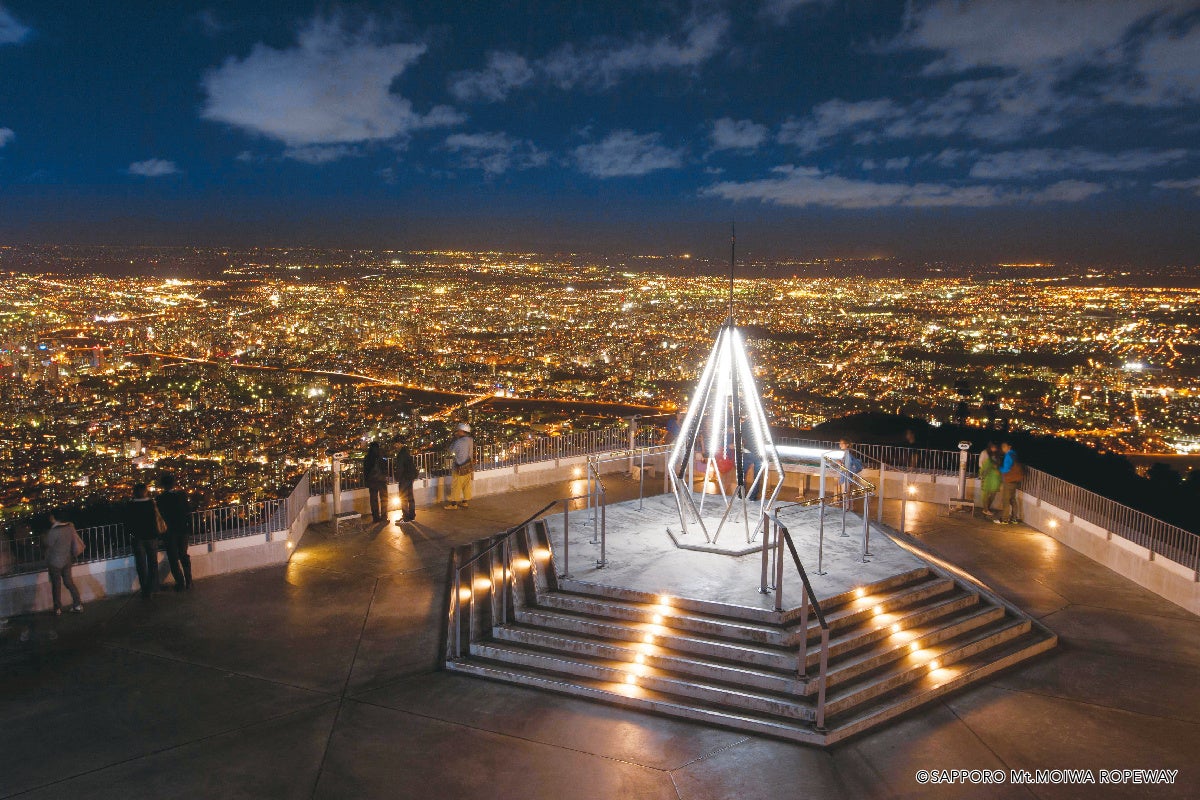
column 1160, row 575
column 25, row 594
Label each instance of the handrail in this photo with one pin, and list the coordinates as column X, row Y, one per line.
column 808, row 598
column 499, row 537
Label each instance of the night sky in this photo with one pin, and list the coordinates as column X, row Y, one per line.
column 1016, row 129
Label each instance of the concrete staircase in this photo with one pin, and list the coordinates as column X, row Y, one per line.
column 894, row 645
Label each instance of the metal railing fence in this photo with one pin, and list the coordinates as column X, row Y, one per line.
column 24, row 553
column 1159, row 537
column 499, row 456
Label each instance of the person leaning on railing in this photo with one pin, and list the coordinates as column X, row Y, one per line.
column 173, row 505
column 141, row 515
column 62, row 546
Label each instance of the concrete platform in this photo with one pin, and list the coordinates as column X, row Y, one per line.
column 319, row 679
column 640, row 554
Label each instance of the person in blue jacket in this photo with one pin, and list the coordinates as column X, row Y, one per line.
column 1011, row 475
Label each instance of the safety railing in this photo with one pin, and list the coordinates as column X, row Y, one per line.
column 24, row 552
column 904, row 459
column 1159, row 537
column 499, row 456
column 775, row 537
column 636, row 459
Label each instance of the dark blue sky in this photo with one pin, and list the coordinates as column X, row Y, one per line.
column 1023, row 129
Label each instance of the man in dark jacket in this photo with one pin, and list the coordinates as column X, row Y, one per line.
column 142, row 527
column 406, row 474
column 173, row 506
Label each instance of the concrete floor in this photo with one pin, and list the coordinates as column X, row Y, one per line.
column 319, row 680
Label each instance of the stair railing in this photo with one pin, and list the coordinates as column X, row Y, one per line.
column 808, row 600
column 468, row 579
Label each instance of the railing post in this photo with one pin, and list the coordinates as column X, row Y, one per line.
column 603, row 528
column 866, row 549
column 641, row 478
column 802, row 666
column 766, row 543
column 780, row 532
column 882, row 484
column 822, row 679
column 566, row 573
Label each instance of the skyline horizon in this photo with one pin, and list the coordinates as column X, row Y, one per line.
column 924, row 130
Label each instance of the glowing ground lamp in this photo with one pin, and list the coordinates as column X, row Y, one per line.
column 725, row 421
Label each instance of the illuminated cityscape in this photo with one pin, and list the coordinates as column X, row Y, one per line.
column 242, row 379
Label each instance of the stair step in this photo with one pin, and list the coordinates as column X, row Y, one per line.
column 915, row 666
column 934, row 684
column 852, row 613
column 926, row 636
column 654, row 656
column 851, row 639
column 639, row 698
column 760, row 656
column 663, row 681
column 713, row 608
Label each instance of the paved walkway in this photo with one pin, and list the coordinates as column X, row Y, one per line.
column 319, row 679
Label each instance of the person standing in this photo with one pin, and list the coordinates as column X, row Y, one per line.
column 461, row 454
column 141, row 523
column 406, row 474
column 853, row 465
column 60, row 552
column 990, row 479
column 1011, row 475
column 173, row 506
column 375, row 475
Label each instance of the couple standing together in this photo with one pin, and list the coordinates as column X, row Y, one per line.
column 1001, row 472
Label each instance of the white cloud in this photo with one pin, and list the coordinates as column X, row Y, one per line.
column 1190, row 185
column 495, row 153
column 1169, row 70
column 604, row 65
column 897, row 163
column 503, row 73
column 1030, row 163
column 153, row 168
column 625, row 153
column 318, row 154
column 780, row 11
column 1023, row 34
column 6, row 136
column 736, row 134
column 808, row 186
column 598, row 64
column 834, row 118
column 334, row 87
column 11, row 31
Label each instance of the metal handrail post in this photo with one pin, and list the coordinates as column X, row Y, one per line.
column 822, row 679
column 641, row 478
column 802, row 663
column 471, row 611
column 882, row 483
column 766, row 543
column 821, row 539
column 866, row 551
column 603, row 529
column 779, row 534
column 566, row 573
